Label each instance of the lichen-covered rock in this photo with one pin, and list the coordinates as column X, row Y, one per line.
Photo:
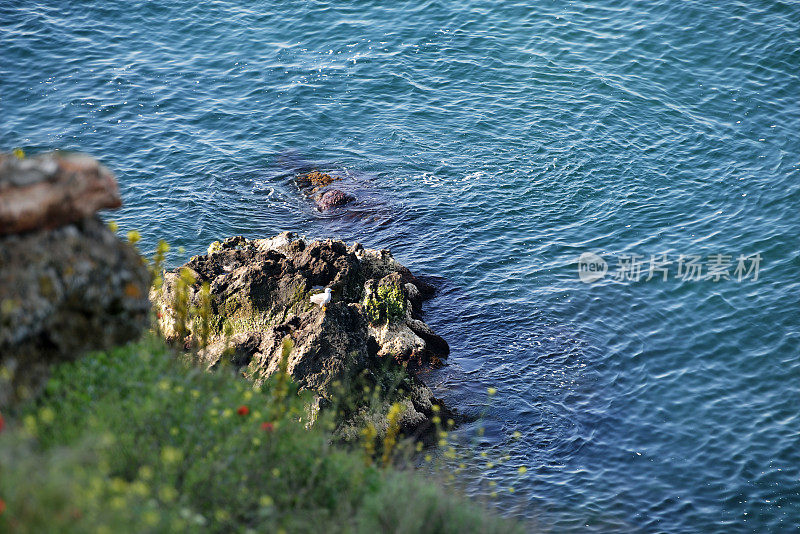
column 370, row 332
column 64, row 292
column 314, row 179
column 51, row 190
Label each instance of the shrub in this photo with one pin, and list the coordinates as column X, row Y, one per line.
column 133, row 440
column 386, row 306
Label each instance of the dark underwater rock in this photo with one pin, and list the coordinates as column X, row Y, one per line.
column 333, row 198
column 369, row 334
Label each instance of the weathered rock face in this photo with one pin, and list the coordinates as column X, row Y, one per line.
column 369, row 332
column 66, row 290
column 52, row 190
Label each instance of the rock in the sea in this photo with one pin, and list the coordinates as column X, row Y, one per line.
column 314, row 179
column 333, row 198
column 52, row 190
column 369, row 334
column 67, row 290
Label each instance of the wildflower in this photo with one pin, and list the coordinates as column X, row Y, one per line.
column 267, row 426
column 171, row 455
column 522, row 470
column 134, row 237
column 167, row 493
column 47, row 415
column 491, row 391
column 243, row 410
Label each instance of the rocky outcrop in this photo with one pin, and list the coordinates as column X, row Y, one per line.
column 313, row 185
column 67, row 284
column 52, row 190
column 369, row 334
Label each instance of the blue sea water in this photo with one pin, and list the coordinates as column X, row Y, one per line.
column 490, row 145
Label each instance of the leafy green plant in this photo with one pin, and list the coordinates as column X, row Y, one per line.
column 134, row 440
column 386, row 305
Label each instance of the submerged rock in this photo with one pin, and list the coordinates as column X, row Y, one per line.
column 67, row 290
column 369, row 334
column 333, row 198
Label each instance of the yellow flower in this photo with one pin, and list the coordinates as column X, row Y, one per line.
column 113, row 226
column 150, row 518
column 171, row 455
column 491, row 391
column 167, row 493
column 517, row 434
column 265, row 501
column 522, row 470
column 140, row 488
column 47, row 415
column 222, row 515
column 134, row 237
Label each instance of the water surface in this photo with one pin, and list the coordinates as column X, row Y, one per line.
column 493, row 143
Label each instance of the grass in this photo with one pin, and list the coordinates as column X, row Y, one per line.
column 133, row 440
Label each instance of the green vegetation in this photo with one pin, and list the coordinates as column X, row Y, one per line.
column 135, row 440
column 387, row 307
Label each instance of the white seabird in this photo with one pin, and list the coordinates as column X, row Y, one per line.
column 322, row 298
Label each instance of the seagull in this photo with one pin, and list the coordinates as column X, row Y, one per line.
column 322, row 298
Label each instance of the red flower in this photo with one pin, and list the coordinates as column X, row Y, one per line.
column 243, row 410
column 267, row 426
column 2, row 422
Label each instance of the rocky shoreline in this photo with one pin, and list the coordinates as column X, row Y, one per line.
column 370, row 337
column 69, row 285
